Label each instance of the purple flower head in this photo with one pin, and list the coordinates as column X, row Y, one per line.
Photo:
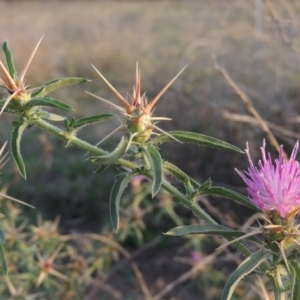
column 274, row 186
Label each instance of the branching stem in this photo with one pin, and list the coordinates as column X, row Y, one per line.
column 125, row 163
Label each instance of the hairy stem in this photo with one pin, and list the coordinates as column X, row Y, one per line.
column 198, row 212
column 79, row 142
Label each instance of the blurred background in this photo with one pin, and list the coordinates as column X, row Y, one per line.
column 256, row 42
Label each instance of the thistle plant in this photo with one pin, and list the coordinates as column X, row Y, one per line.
column 273, row 190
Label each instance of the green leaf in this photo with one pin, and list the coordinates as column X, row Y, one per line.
column 295, row 280
column 9, row 60
column 153, row 157
column 68, row 123
column 214, row 229
column 113, row 156
column 244, row 269
column 206, row 188
column 226, row 193
column 178, row 174
column 78, row 124
column 56, row 84
column 118, row 188
column 15, row 140
column 188, row 186
column 46, row 101
column 195, row 138
column 202, row 189
column 3, row 259
column 2, row 236
column 50, row 116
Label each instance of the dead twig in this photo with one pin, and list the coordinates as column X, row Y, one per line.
column 276, row 19
column 123, row 251
column 217, row 212
column 139, row 276
column 104, row 286
column 253, row 121
column 134, row 255
column 250, row 107
column 191, row 273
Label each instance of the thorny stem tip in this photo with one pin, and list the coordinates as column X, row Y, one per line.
column 16, row 86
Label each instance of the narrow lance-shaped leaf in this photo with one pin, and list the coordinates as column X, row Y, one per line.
column 199, row 189
column 56, row 84
column 50, row 116
column 9, row 60
column 78, row 124
column 214, row 229
column 68, row 123
column 178, row 173
column 206, row 189
column 2, row 258
column 188, row 186
column 226, row 193
column 202, row 189
column 46, row 101
column 195, row 138
column 113, row 156
column 118, row 188
column 244, row 269
column 295, row 280
column 15, row 141
column 155, row 161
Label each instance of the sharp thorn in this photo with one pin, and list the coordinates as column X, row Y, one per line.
column 117, row 94
column 8, row 100
column 30, row 60
column 154, row 101
column 166, row 133
column 10, row 80
column 115, row 106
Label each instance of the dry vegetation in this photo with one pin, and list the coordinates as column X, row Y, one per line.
column 162, row 37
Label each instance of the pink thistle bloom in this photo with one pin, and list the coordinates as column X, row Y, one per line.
column 274, row 186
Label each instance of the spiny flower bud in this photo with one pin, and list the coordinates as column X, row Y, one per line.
column 16, row 86
column 138, row 113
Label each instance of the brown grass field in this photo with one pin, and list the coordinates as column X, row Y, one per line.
column 163, row 37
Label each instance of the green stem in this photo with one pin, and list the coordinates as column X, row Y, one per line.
column 193, row 206
column 165, row 185
column 199, row 212
column 78, row 142
column 93, row 149
column 276, row 284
